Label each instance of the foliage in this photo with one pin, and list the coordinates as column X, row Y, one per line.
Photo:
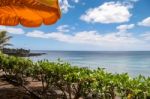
column 74, row 82
column 4, row 39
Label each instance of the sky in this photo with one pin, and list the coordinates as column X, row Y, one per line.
column 90, row 25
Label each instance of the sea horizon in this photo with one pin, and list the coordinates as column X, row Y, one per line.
column 132, row 62
column 89, row 51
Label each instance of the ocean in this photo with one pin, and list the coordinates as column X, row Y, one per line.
column 132, row 62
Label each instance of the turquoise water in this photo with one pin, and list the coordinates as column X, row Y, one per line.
column 133, row 62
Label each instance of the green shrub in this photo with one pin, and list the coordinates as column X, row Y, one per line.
column 74, row 82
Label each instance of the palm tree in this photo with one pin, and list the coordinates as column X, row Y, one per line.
column 4, row 38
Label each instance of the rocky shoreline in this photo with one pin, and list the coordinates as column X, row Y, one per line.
column 20, row 52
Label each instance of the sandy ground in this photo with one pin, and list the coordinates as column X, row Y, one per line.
column 8, row 91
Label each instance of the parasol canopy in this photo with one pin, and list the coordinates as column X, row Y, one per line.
column 29, row 13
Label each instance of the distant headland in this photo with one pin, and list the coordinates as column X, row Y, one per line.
column 20, row 52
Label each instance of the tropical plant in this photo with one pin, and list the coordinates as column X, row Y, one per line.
column 73, row 82
column 4, row 38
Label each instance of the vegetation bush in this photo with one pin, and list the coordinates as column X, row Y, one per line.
column 74, row 82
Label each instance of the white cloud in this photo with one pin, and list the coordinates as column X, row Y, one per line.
column 145, row 22
column 123, row 28
column 93, row 37
column 76, row 1
column 146, row 36
column 109, row 12
column 64, row 5
column 12, row 30
column 36, row 33
column 134, row 0
column 63, row 28
column 111, row 40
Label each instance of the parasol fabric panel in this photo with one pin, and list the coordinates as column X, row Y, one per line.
column 29, row 13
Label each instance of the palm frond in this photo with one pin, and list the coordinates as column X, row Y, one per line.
column 4, row 38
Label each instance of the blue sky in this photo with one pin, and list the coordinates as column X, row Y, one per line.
column 99, row 25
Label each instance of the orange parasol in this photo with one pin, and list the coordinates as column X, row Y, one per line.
column 29, row 13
